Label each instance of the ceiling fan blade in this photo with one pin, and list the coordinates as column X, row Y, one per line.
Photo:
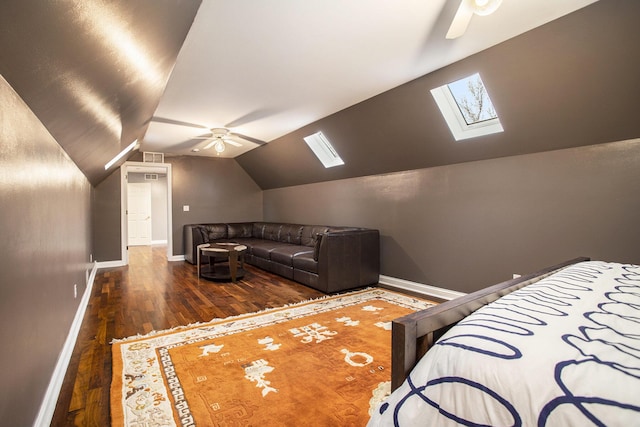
column 250, row 139
column 460, row 21
column 211, row 144
column 232, row 142
column 176, row 122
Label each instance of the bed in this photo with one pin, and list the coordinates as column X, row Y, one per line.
column 557, row 347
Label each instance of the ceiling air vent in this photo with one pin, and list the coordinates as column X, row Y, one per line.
column 149, row 157
column 323, row 150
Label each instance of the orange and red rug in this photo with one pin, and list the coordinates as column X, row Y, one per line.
column 323, row 362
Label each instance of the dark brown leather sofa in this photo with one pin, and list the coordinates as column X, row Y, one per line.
column 329, row 259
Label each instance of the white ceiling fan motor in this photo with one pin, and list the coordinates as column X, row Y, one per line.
column 466, row 11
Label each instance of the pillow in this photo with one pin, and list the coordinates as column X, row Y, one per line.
column 316, row 245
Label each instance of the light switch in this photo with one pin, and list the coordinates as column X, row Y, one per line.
column 185, row 208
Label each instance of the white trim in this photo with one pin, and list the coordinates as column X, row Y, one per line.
column 110, row 264
column 124, row 201
column 427, row 290
column 48, row 406
column 141, row 167
column 176, row 258
column 159, row 242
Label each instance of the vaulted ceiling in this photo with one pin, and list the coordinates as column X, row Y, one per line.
column 267, row 68
column 100, row 74
column 92, row 71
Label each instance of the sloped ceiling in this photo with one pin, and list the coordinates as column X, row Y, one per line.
column 95, row 73
column 92, row 71
column 267, row 68
column 572, row 82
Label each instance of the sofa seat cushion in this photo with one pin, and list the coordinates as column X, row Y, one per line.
column 263, row 248
column 304, row 261
column 284, row 254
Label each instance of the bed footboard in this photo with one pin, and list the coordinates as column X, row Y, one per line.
column 414, row 334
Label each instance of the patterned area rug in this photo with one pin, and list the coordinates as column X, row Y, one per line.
column 323, row 362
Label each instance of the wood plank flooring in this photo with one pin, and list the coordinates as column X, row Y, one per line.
column 153, row 294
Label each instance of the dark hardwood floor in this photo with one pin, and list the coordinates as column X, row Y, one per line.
column 152, row 294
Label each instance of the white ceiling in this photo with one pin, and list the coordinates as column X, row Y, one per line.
column 266, row 68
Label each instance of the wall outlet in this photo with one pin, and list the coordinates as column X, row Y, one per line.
column 516, row 275
column 185, row 208
column 90, row 257
column 75, row 290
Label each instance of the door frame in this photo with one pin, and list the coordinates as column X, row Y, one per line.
column 146, row 167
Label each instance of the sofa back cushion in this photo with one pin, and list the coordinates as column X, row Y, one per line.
column 213, row 232
column 308, row 236
column 237, row 230
column 271, row 231
column 257, row 231
column 290, row 233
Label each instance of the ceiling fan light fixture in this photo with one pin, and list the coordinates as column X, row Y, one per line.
column 219, row 146
column 484, row 7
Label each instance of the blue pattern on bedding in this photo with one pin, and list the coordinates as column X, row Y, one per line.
column 562, row 351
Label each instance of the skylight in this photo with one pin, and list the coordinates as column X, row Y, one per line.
column 121, row 154
column 323, row 150
column 467, row 108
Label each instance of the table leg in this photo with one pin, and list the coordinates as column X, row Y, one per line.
column 233, row 265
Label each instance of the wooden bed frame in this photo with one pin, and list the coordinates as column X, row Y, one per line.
column 414, row 334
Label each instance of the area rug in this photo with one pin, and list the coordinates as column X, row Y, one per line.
column 324, row 362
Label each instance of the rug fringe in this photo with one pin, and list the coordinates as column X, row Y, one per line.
column 216, row 319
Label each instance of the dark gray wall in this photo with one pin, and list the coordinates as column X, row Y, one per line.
column 64, row 61
column 45, row 231
column 469, row 225
column 106, row 226
column 216, row 190
column 572, row 82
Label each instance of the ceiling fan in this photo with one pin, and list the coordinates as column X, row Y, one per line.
column 218, row 137
column 466, row 11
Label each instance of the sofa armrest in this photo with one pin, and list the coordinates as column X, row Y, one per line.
column 192, row 238
column 348, row 259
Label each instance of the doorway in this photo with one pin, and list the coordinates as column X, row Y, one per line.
column 129, row 207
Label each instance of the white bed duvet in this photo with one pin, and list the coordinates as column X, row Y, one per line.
column 564, row 351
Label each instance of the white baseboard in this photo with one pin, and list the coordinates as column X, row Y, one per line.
column 120, row 263
column 426, row 290
column 159, row 242
column 109, row 264
column 48, row 406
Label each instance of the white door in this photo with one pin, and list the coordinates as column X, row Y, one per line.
column 139, row 213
